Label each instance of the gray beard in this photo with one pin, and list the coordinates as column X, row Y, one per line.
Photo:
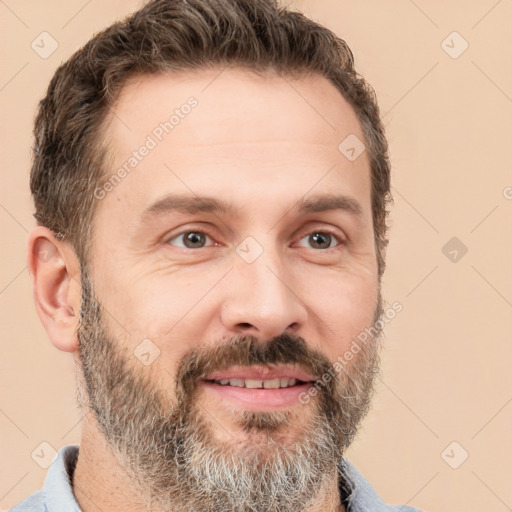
column 169, row 450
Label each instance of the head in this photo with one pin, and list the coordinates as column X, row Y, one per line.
column 202, row 217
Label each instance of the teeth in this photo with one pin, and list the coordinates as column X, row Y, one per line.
column 271, row 384
column 253, row 384
column 258, row 383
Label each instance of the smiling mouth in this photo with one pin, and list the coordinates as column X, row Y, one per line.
column 259, row 391
column 260, row 388
column 276, row 383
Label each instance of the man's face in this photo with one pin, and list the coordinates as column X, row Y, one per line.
column 237, row 252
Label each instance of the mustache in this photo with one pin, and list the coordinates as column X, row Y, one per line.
column 247, row 350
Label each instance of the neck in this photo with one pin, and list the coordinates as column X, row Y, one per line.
column 100, row 483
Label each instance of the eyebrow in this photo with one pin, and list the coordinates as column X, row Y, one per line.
column 196, row 204
column 187, row 204
column 332, row 202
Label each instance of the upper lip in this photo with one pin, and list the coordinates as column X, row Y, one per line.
column 261, row 373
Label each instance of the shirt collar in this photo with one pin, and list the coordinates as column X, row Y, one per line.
column 58, row 484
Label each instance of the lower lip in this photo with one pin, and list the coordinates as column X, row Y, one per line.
column 259, row 399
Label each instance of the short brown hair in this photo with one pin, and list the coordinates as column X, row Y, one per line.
column 168, row 35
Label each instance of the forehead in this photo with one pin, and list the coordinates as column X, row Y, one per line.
column 230, row 133
column 248, row 103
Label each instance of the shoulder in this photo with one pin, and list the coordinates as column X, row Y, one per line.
column 363, row 497
column 402, row 508
column 33, row 503
column 57, row 492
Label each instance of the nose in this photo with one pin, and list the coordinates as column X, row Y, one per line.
column 262, row 300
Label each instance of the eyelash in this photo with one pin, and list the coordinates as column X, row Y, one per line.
column 322, row 231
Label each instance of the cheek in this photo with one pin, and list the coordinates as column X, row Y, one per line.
column 166, row 307
column 157, row 321
column 343, row 305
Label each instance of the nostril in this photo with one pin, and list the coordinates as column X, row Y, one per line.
column 245, row 325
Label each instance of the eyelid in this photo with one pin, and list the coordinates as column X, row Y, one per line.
column 340, row 237
column 167, row 239
column 336, row 233
column 340, row 241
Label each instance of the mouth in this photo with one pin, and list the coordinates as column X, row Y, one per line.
column 259, row 388
column 277, row 383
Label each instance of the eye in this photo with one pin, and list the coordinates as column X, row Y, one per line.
column 320, row 240
column 190, row 240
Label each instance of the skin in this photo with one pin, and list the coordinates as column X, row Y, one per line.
column 262, row 144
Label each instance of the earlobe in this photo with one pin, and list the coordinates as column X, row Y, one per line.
column 54, row 270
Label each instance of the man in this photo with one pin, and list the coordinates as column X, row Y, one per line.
column 211, row 180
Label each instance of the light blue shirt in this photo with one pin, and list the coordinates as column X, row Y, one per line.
column 57, row 493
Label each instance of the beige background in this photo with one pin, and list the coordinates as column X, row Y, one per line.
column 446, row 366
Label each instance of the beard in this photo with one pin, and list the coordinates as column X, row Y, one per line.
column 169, row 449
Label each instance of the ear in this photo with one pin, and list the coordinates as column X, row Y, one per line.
column 55, row 272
